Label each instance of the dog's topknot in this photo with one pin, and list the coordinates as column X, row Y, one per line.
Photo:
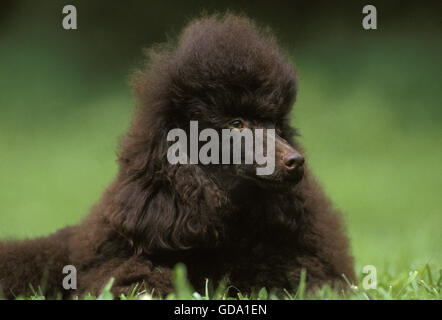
column 218, row 53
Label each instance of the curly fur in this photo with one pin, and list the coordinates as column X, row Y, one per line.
column 155, row 214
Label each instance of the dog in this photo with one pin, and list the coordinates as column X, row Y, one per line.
column 223, row 221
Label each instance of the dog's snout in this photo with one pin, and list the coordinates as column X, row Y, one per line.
column 293, row 160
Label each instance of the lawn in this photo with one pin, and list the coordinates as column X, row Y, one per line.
column 369, row 119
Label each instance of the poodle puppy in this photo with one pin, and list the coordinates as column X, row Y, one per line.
column 224, row 222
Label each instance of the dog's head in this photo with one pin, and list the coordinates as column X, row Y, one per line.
column 223, row 73
column 226, row 73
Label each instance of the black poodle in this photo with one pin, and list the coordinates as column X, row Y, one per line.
column 222, row 221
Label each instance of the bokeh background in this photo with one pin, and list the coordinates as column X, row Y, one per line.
column 369, row 110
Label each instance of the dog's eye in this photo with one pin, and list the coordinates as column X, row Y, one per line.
column 237, row 123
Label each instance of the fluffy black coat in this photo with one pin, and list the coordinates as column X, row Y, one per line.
column 219, row 220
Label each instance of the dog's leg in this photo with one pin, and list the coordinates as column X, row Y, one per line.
column 36, row 264
column 325, row 247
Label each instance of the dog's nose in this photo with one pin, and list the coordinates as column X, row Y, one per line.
column 293, row 160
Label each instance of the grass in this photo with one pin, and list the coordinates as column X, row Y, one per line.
column 416, row 284
column 370, row 122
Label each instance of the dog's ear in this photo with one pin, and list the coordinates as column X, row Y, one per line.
column 158, row 206
column 155, row 217
column 145, row 215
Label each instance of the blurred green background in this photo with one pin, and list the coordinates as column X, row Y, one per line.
column 369, row 111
